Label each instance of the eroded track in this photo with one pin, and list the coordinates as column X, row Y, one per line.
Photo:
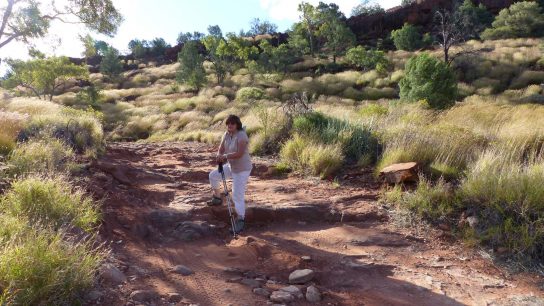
column 156, row 217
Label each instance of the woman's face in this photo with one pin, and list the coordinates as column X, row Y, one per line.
column 231, row 127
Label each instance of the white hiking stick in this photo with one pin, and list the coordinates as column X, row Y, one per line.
column 229, row 200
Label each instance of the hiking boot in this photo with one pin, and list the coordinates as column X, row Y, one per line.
column 216, row 201
column 239, row 226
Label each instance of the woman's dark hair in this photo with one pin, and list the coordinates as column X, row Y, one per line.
column 236, row 120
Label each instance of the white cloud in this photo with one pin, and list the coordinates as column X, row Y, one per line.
column 287, row 9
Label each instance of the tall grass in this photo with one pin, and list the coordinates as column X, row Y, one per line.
column 305, row 156
column 11, row 123
column 50, row 200
column 40, row 156
column 45, row 268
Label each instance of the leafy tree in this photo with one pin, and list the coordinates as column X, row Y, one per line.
column 367, row 59
column 43, row 76
column 298, row 39
column 89, row 49
column 309, row 23
column 187, row 36
column 111, row 65
column 101, row 47
column 338, row 37
column 90, row 95
column 191, row 70
column 407, row 38
column 367, row 8
column 258, row 27
column 427, row 78
column 275, row 59
column 407, row 2
column 218, row 53
column 521, row 19
column 159, row 46
column 139, row 48
column 24, row 20
column 473, row 19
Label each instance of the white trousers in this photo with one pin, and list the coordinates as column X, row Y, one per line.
column 239, row 183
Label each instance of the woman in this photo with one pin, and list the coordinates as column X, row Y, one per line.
column 234, row 149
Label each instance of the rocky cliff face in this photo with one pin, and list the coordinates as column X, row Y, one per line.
column 419, row 13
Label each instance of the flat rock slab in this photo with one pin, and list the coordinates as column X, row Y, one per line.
column 183, row 270
column 400, row 173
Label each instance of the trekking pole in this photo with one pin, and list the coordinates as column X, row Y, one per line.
column 229, row 203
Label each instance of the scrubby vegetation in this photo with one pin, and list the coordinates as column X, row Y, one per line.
column 469, row 112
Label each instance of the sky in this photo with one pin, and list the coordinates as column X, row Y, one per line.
column 147, row 19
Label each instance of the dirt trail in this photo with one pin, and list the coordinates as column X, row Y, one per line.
column 155, row 217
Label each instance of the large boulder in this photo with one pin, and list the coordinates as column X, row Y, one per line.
column 301, row 276
column 400, row 173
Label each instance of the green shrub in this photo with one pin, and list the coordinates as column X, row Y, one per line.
column 407, row 38
column 521, row 19
column 50, row 201
column 367, row 59
column 302, row 155
column 81, row 130
column 427, row 78
column 249, row 93
column 373, row 110
column 429, row 201
column 40, row 156
column 354, row 141
column 44, row 268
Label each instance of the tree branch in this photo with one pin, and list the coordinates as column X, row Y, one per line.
column 7, row 13
column 12, row 37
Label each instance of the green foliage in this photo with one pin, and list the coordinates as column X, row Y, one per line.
column 407, row 38
column 139, row 48
column 41, row 267
column 50, row 200
column 188, row 36
column 407, row 2
column 337, row 35
column 91, row 96
column 79, row 129
column 101, row 47
column 249, row 93
column 41, row 156
column 521, row 19
column 301, row 154
column 355, row 141
column 473, row 19
column 159, row 46
column 427, row 78
column 366, row 8
column 89, row 49
column 275, row 59
column 429, row 201
column 111, row 65
column 191, row 70
column 367, row 59
column 258, row 27
column 43, row 76
column 27, row 20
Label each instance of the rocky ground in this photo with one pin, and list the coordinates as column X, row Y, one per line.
column 308, row 242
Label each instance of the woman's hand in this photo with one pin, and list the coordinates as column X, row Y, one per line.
column 221, row 158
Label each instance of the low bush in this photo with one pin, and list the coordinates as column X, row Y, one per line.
column 527, row 78
column 40, row 156
column 50, row 201
column 81, row 130
column 354, row 141
column 303, row 155
column 427, row 78
column 11, row 123
column 44, row 268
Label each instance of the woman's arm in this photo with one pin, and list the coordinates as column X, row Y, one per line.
column 241, row 149
column 221, row 149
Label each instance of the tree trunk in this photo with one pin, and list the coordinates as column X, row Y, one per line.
column 446, row 55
